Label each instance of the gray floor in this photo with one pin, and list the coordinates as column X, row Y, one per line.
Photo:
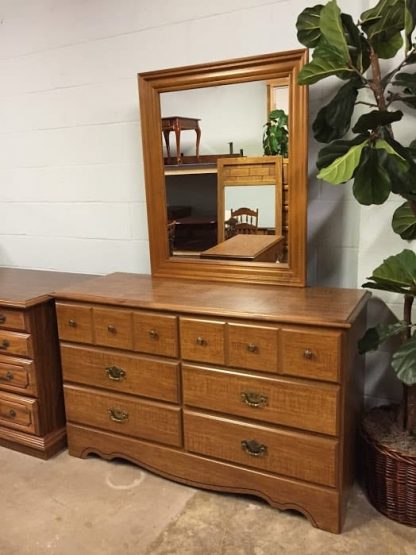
column 72, row 506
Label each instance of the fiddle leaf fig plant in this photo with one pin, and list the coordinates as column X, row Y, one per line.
column 368, row 152
column 275, row 136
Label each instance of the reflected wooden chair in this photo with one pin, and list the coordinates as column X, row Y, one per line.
column 245, row 221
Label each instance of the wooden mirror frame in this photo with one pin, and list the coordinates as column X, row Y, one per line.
column 256, row 68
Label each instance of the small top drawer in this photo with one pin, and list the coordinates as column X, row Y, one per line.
column 202, row 340
column 113, row 327
column 74, row 322
column 12, row 319
column 155, row 333
column 252, row 347
column 311, row 353
column 15, row 343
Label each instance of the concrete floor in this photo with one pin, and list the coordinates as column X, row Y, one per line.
column 68, row 505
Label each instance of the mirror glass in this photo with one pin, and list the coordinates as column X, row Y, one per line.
column 193, row 118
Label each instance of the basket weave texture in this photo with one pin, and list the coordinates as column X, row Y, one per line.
column 390, row 480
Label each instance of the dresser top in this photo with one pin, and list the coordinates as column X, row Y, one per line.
column 310, row 305
column 23, row 288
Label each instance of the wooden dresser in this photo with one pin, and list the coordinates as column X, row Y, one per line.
column 244, row 388
column 32, row 418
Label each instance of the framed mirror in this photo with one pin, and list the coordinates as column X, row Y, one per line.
column 195, row 118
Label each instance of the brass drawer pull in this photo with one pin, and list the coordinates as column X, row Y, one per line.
column 111, row 328
column 2, row 318
column 72, row 324
column 4, row 344
column 308, row 354
column 12, row 413
column 201, row 341
column 252, row 348
column 119, row 416
column 9, row 376
column 153, row 334
column 255, row 400
column 115, row 373
column 251, row 447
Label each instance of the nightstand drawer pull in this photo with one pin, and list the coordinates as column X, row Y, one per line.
column 9, row 376
column 201, row 341
column 254, row 449
column 252, row 348
column 111, row 328
column 115, row 373
column 119, row 416
column 255, row 400
column 12, row 413
column 153, row 334
column 308, row 354
column 4, row 344
column 2, row 318
column 72, row 324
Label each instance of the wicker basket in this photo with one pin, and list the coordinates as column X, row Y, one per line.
column 390, row 480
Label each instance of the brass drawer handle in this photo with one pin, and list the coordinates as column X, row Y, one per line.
column 2, row 318
column 72, row 324
column 111, row 328
column 201, row 341
column 4, row 344
column 255, row 400
column 252, row 348
column 153, row 334
column 251, row 447
column 12, row 413
column 308, row 354
column 115, row 373
column 9, row 376
column 119, row 416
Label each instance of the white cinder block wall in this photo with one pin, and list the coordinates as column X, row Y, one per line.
column 71, row 176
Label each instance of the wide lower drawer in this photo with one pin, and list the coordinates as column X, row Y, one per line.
column 125, row 415
column 19, row 413
column 122, row 373
column 17, row 375
column 312, row 407
column 15, row 343
column 12, row 319
column 301, row 456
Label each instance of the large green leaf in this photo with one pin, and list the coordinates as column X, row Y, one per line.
column 404, row 362
column 383, row 25
column 332, row 29
column 409, row 22
column 375, row 119
column 308, row 26
column 326, row 61
column 343, row 167
column 407, row 81
column 358, row 45
column 334, row 119
column 336, row 149
column 409, row 101
column 404, row 222
column 374, row 337
column 397, row 271
column 372, row 182
column 412, row 148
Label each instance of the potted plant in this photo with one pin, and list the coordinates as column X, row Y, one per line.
column 275, row 136
column 378, row 165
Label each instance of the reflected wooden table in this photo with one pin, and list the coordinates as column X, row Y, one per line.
column 249, row 248
column 178, row 124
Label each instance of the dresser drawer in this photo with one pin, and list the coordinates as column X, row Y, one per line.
column 123, row 414
column 119, row 372
column 17, row 375
column 74, row 322
column 312, row 407
column 19, row 413
column 202, row 340
column 113, row 327
column 156, row 334
column 12, row 319
column 293, row 454
column 252, row 347
column 311, row 353
column 15, row 343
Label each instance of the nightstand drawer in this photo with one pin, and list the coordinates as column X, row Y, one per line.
column 74, row 322
column 122, row 373
column 15, row 343
column 202, row 340
column 12, row 319
column 113, row 327
column 311, row 354
column 294, row 403
column 156, row 334
column 17, row 375
column 18, row 413
column 124, row 414
column 252, row 347
column 302, row 456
